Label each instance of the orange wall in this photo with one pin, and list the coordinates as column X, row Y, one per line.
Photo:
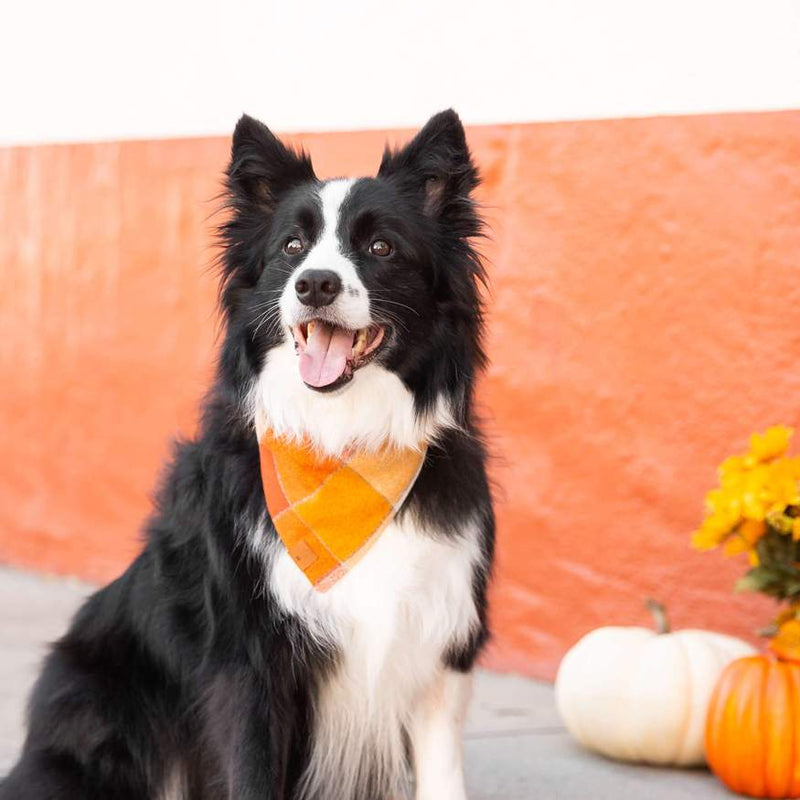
column 645, row 317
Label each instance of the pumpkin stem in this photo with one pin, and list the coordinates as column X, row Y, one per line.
column 659, row 615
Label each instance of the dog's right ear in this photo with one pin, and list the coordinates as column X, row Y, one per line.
column 261, row 166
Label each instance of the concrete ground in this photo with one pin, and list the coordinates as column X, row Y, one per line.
column 515, row 748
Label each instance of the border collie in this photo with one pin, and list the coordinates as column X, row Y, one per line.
column 212, row 668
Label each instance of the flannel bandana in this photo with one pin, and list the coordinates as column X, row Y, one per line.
column 329, row 511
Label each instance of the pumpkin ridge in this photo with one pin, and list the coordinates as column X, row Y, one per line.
column 731, row 722
column 788, row 700
column 722, row 712
column 794, row 704
column 764, row 722
column 632, row 701
column 688, row 703
column 757, row 727
column 714, row 729
column 736, row 703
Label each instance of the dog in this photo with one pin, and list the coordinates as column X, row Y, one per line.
column 213, row 668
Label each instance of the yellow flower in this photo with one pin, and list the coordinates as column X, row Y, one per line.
column 772, row 443
column 786, row 642
column 780, row 521
column 793, row 612
column 752, row 531
column 725, row 505
column 784, row 483
column 755, row 494
column 753, row 489
column 796, row 528
column 745, row 537
column 708, row 537
column 714, row 531
column 735, row 546
column 732, row 467
column 705, row 540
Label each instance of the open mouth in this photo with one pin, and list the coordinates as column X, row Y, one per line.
column 329, row 355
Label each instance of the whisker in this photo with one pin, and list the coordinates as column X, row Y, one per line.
column 269, row 302
column 393, row 319
column 395, row 303
column 270, row 317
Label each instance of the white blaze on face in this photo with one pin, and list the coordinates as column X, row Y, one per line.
column 351, row 307
column 376, row 407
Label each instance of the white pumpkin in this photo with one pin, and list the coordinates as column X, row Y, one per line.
column 639, row 695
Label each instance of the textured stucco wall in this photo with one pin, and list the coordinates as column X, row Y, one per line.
column 644, row 318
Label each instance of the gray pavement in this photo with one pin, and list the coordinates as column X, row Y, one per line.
column 515, row 748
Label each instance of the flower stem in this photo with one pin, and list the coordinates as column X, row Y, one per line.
column 659, row 616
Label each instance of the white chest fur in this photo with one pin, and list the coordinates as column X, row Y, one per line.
column 410, row 587
column 392, row 619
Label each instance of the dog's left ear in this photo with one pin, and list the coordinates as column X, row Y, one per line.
column 436, row 165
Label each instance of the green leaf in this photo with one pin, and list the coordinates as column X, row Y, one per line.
column 793, row 589
column 759, row 579
column 776, row 576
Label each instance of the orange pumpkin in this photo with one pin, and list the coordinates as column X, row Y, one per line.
column 753, row 727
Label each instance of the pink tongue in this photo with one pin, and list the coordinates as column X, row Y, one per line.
column 325, row 356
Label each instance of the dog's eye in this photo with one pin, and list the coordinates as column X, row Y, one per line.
column 380, row 248
column 293, row 246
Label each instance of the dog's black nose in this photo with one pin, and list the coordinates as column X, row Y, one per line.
column 317, row 287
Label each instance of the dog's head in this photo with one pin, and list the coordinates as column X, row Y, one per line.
column 354, row 299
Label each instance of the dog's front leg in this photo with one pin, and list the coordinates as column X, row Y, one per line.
column 436, row 731
column 250, row 731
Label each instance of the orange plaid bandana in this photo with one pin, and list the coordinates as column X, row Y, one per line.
column 329, row 511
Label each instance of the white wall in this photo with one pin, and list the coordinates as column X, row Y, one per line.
column 76, row 70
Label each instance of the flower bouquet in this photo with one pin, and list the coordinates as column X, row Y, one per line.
column 753, row 724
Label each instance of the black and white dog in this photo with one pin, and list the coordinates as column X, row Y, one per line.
column 212, row 668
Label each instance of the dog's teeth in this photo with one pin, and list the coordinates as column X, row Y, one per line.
column 310, row 329
column 361, row 342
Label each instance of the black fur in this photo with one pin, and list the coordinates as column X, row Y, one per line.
column 184, row 662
